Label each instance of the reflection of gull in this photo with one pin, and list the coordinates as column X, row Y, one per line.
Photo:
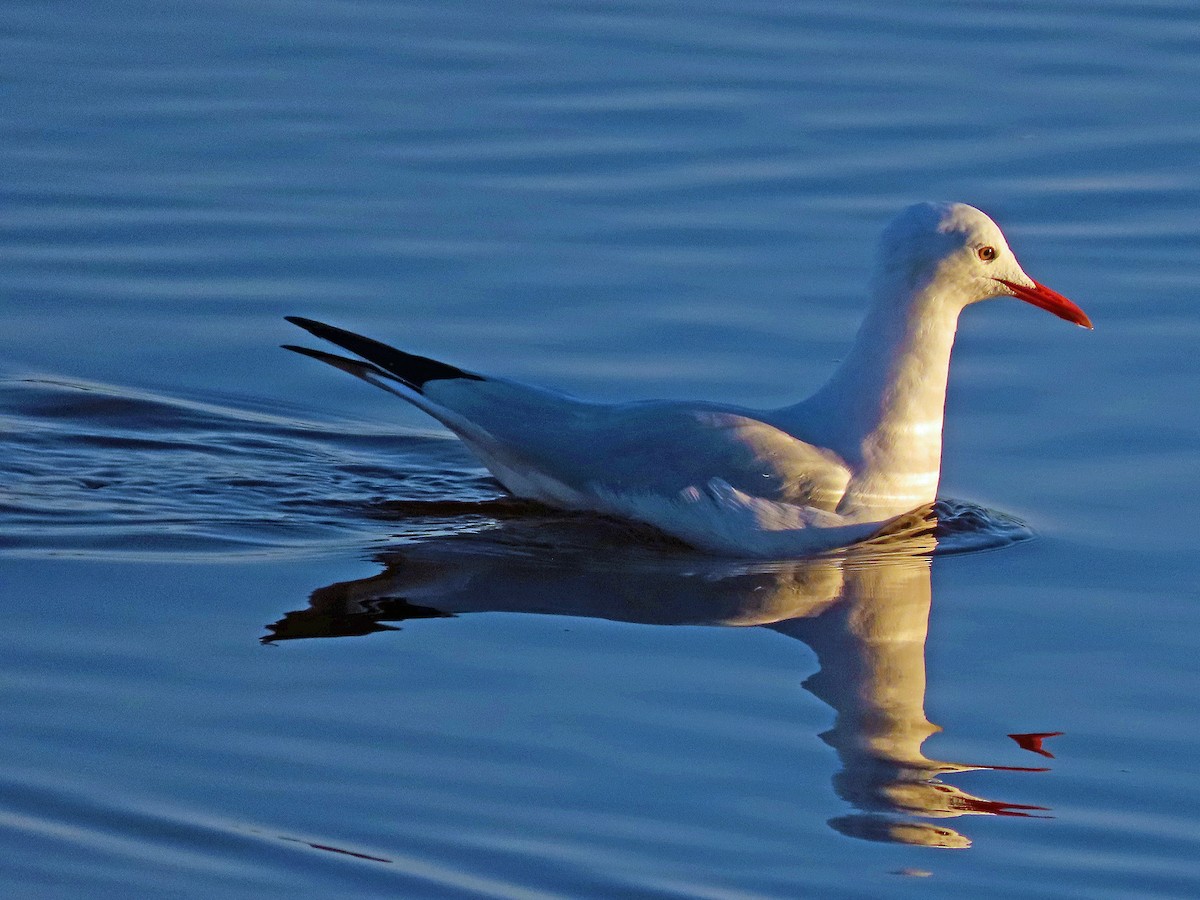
column 865, row 613
column 820, row 474
column 871, row 648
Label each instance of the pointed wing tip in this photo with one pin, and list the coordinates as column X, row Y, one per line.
column 303, row 351
column 306, row 324
column 356, row 367
column 408, row 368
column 333, row 359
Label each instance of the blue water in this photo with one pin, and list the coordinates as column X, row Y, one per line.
column 269, row 632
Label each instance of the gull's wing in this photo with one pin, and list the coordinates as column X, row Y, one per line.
column 642, row 460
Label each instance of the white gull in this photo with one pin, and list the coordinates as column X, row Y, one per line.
column 824, row 473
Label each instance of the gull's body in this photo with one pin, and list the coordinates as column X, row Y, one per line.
column 824, row 473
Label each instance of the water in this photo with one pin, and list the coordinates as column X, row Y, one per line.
column 619, row 200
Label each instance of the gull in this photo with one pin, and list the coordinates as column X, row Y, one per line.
column 824, row 473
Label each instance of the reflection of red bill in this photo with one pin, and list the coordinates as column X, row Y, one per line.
column 997, row 808
column 1033, row 741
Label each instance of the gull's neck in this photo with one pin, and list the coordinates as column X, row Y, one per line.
column 882, row 410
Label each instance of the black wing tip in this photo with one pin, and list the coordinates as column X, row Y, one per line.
column 312, row 326
column 306, row 351
column 408, row 368
column 356, row 367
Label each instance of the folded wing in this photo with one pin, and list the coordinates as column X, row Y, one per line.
column 643, row 460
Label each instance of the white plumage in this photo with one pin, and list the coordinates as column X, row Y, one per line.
column 824, row 473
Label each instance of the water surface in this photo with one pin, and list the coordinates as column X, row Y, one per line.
column 269, row 631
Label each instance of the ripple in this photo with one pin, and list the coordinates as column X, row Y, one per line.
column 105, row 471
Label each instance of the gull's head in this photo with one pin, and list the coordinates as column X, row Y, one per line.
column 954, row 252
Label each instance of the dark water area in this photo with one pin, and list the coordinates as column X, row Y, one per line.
column 270, row 632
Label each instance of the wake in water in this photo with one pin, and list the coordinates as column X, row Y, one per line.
column 106, row 471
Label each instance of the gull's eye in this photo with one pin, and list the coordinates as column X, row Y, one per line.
column 987, row 254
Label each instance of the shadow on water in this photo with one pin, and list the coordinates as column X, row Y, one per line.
column 863, row 611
